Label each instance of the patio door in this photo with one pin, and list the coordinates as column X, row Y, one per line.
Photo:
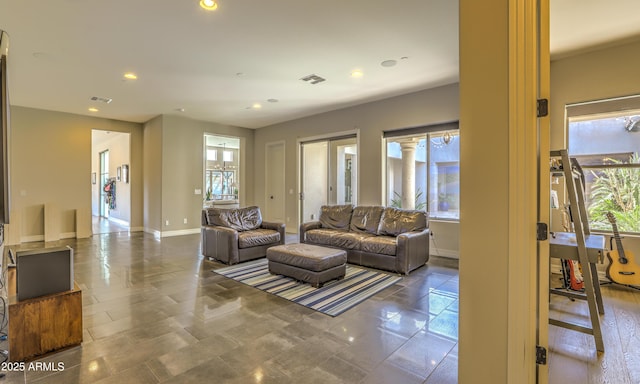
column 329, row 174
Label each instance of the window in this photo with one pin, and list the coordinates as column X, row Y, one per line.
column 221, row 183
column 222, row 173
column 423, row 170
column 606, row 145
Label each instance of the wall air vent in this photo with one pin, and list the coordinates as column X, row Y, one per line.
column 106, row 100
column 314, row 79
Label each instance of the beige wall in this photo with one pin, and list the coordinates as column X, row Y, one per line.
column 605, row 73
column 371, row 119
column 600, row 74
column 51, row 164
column 152, row 174
column 174, row 160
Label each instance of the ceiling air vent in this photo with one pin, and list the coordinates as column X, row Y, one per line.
column 106, row 100
column 314, row 79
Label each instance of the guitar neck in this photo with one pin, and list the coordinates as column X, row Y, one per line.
column 616, row 236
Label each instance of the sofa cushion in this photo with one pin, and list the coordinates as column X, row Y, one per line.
column 321, row 235
column 366, row 219
column 256, row 237
column 385, row 245
column 336, row 216
column 240, row 219
column 336, row 238
column 348, row 240
column 396, row 221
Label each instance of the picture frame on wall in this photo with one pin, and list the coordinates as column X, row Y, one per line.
column 119, row 173
column 125, row 173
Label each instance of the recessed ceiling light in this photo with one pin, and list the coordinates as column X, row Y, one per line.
column 92, row 109
column 273, row 100
column 180, row 109
column 130, row 76
column 209, row 5
column 256, row 106
column 357, row 73
column 389, row 63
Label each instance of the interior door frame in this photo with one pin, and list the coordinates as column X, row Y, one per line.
column 544, row 184
column 300, row 168
column 102, row 201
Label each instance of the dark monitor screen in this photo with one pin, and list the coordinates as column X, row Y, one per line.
column 43, row 271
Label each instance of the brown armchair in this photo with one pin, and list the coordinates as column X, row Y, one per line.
column 239, row 234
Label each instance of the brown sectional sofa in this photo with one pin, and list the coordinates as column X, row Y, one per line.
column 373, row 236
column 238, row 234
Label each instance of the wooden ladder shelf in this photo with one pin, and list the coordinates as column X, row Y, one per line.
column 579, row 245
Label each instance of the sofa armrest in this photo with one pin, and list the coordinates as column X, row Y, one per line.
column 220, row 243
column 276, row 227
column 412, row 250
column 304, row 227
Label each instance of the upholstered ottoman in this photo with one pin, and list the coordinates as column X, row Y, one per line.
column 312, row 264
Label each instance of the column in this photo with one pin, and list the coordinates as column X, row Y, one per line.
column 498, row 191
column 408, row 147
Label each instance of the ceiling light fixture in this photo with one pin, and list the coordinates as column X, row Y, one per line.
column 256, row 106
column 209, row 5
column 357, row 73
column 389, row 63
column 92, row 109
column 130, row 76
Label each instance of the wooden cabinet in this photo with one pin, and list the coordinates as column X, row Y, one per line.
column 43, row 324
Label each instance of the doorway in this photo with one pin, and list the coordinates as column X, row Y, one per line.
column 329, row 174
column 110, row 189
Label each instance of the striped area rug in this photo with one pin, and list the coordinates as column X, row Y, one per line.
column 335, row 297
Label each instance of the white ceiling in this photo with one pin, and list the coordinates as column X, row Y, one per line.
column 216, row 65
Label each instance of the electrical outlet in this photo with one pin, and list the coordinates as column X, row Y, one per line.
column 185, row 220
column 166, row 223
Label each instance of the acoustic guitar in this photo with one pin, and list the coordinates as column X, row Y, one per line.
column 622, row 267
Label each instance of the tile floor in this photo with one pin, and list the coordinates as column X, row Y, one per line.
column 102, row 225
column 154, row 312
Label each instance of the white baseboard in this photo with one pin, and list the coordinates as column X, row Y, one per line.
column 153, row 232
column 31, row 239
column 158, row 234
column 181, row 232
column 445, row 253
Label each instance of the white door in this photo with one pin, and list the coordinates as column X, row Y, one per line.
column 274, row 182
